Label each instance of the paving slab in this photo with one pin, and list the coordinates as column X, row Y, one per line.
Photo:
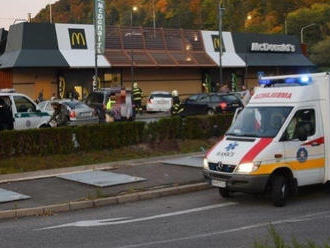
column 191, row 161
column 101, row 178
column 54, row 190
column 9, row 196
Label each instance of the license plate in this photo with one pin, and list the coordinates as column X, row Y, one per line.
column 220, row 184
column 87, row 114
column 161, row 102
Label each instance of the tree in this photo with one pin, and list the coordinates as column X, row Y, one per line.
column 320, row 53
column 318, row 14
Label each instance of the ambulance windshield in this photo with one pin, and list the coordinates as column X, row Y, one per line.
column 259, row 121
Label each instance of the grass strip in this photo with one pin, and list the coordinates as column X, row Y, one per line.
column 34, row 163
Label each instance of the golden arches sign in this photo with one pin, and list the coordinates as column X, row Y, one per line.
column 78, row 39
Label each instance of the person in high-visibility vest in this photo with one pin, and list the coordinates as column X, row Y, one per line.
column 137, row 98
column 110, row 103
column 108, row 108
column 177, row 107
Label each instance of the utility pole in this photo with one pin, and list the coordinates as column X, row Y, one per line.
column 50, row 13
column 220, row 9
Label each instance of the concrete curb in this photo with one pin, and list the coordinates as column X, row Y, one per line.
column 77, row 205
column 25, row 176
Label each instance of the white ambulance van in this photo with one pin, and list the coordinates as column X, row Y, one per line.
column 25, row 112
column 278, row 142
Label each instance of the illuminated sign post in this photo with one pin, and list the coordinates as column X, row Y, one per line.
column 99, row 23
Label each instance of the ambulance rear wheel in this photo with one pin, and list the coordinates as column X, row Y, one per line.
column 280, row 190
column 224, row 192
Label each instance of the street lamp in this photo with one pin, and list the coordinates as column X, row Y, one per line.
column 154, row 17
column 302, row 32
column 134, row 9
column 50, row 13
column 220, row 43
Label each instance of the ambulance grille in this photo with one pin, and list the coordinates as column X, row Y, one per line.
column 228, row 168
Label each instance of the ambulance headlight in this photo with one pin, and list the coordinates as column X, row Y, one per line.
column 247, row 168
column 205, row 164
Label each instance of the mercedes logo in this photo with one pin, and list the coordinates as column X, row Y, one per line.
column 219, row 166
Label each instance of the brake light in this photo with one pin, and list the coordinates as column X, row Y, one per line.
column 72, row 114
column 223, row 105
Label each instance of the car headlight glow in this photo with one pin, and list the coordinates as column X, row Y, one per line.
column 205, row 164
column 247, row 168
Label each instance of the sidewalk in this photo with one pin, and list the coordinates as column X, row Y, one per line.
column 50, row 194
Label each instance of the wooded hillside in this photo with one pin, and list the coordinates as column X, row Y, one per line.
column 261, row 16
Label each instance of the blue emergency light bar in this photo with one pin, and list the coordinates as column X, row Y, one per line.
column 293, row 81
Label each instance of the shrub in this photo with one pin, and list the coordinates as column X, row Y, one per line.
column 35, row 141
column 164, row 129
column 203, row 127
column 109, row 136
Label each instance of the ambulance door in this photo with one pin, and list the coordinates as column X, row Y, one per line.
column 305, row 157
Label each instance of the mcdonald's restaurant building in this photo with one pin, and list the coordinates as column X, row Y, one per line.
column 60, row 58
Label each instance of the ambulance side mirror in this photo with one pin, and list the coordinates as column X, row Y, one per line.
column 301, row 132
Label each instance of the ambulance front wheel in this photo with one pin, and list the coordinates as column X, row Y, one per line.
column 280, row 190
column 224, row 192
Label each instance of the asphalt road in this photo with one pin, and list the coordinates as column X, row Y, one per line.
column 201, row 219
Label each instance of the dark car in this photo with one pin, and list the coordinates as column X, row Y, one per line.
column 98, row 100
column 212, row 103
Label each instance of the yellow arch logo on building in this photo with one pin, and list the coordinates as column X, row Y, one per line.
column 77, row 38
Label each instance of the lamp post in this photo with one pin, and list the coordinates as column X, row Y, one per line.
column 302, row 32
column 220, row 42
column 50, row 13
column 134, row 9
column 154, row 17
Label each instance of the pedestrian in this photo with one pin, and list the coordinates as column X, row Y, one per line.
column 116, row 109
column 53, row 97
column 177, row 107
column 111, row 102
column 60, row 116
column 6, row 116
column 137, row 98
column 224, row 89
column 246, row 95
column 40, row 97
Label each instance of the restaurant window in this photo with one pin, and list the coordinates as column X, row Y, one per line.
column 112, row 79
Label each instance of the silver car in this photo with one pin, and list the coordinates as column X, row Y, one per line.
column 80, row 113
column 159, row 101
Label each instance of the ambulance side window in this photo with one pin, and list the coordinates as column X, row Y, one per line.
column 304, row 118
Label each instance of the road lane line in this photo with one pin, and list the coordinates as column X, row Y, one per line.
column 126, row 220
column 238, row 229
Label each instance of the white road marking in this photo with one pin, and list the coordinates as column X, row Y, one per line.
column 124, row 220
column 238, row 229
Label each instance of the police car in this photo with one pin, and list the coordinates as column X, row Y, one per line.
column 25, row 111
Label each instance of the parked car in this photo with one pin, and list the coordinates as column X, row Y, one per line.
column 80, row 113
column 211, row 103
column 159, row 101
column 25, row 112
column 98, row 100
